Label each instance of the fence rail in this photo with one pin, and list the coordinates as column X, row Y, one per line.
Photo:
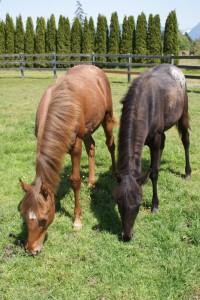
column 57, row 62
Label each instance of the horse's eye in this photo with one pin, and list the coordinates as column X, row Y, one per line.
column 23, row 218
column 42, row 223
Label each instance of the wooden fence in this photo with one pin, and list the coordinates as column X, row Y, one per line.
column 57, row 62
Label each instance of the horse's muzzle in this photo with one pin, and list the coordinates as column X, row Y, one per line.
column 33, row 252
column 127, row 238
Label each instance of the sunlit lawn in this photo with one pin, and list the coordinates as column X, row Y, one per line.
column 163, row 260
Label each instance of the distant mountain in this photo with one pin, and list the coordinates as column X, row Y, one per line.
column 194, row 33
column 183, row 31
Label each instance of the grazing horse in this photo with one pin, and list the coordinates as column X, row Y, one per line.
column 69, row 112
column 155, row 102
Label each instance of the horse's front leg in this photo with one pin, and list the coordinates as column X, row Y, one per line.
column 90, row 149
column 75, row 179
column 156, row 147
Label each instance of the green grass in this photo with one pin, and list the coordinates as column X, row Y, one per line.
column 163, row 260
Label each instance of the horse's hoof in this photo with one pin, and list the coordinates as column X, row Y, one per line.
column 154, row 210
column 77, row 226
column 91, row 184
column 187, row 177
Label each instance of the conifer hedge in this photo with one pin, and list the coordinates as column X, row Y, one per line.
column 29, row 40
column 82, row 36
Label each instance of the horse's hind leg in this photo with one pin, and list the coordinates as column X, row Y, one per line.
column 90, row 149
column 183, row 129
column 76, row 180
column 108, row 129
column 162, row 145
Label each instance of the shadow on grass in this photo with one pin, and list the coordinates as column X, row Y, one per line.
column 102, row 200
column 62, row 191
column 164, row 165
column 178, row 174
column 119, row 82
column 193, row 91
column 103, row 204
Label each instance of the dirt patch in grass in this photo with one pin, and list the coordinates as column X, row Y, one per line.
column 9, row 252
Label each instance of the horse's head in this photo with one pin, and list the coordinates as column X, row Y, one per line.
column 128, row 195
column 38, row 209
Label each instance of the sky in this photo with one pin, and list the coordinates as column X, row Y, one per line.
column 187, row 11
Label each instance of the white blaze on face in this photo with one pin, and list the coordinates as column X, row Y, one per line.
column 32, row 215
column 177, row 75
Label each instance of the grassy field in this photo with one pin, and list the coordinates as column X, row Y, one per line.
column 163, row 260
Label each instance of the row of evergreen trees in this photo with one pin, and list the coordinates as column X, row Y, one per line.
column 141, row 37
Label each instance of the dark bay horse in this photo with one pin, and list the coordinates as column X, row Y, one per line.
column 155, row 102
column 69, row 112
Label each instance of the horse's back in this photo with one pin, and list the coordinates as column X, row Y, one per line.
column 175, row 94
column 91, row 88
column 85, row 86
column 164, row 88
column 91, row 83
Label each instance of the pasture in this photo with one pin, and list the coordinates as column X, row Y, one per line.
column 161, row 262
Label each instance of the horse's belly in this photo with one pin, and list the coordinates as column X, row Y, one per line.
column 90, row 120
column 91, row 124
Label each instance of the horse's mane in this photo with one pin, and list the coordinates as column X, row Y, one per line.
column 59, row 133
column 130, row 144
column 127, row 136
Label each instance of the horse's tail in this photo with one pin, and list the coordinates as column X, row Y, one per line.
column 59, row 132
column 184, row 121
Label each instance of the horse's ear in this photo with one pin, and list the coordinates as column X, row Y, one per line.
column 118, row 177
column 44, row 192
column 143, row 178
column 24, row 185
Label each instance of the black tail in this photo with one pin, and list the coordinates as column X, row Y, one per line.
column 184, row 121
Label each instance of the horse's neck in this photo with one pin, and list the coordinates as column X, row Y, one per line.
column 130, row 159
column 137, row 157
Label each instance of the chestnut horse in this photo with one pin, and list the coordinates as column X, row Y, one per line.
column 69, row 112
column 155, row 102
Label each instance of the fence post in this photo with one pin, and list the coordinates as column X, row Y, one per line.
column 129, row 67
column 21, row 65
column 54, row 66
column 172, row 59
column 93, row 58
